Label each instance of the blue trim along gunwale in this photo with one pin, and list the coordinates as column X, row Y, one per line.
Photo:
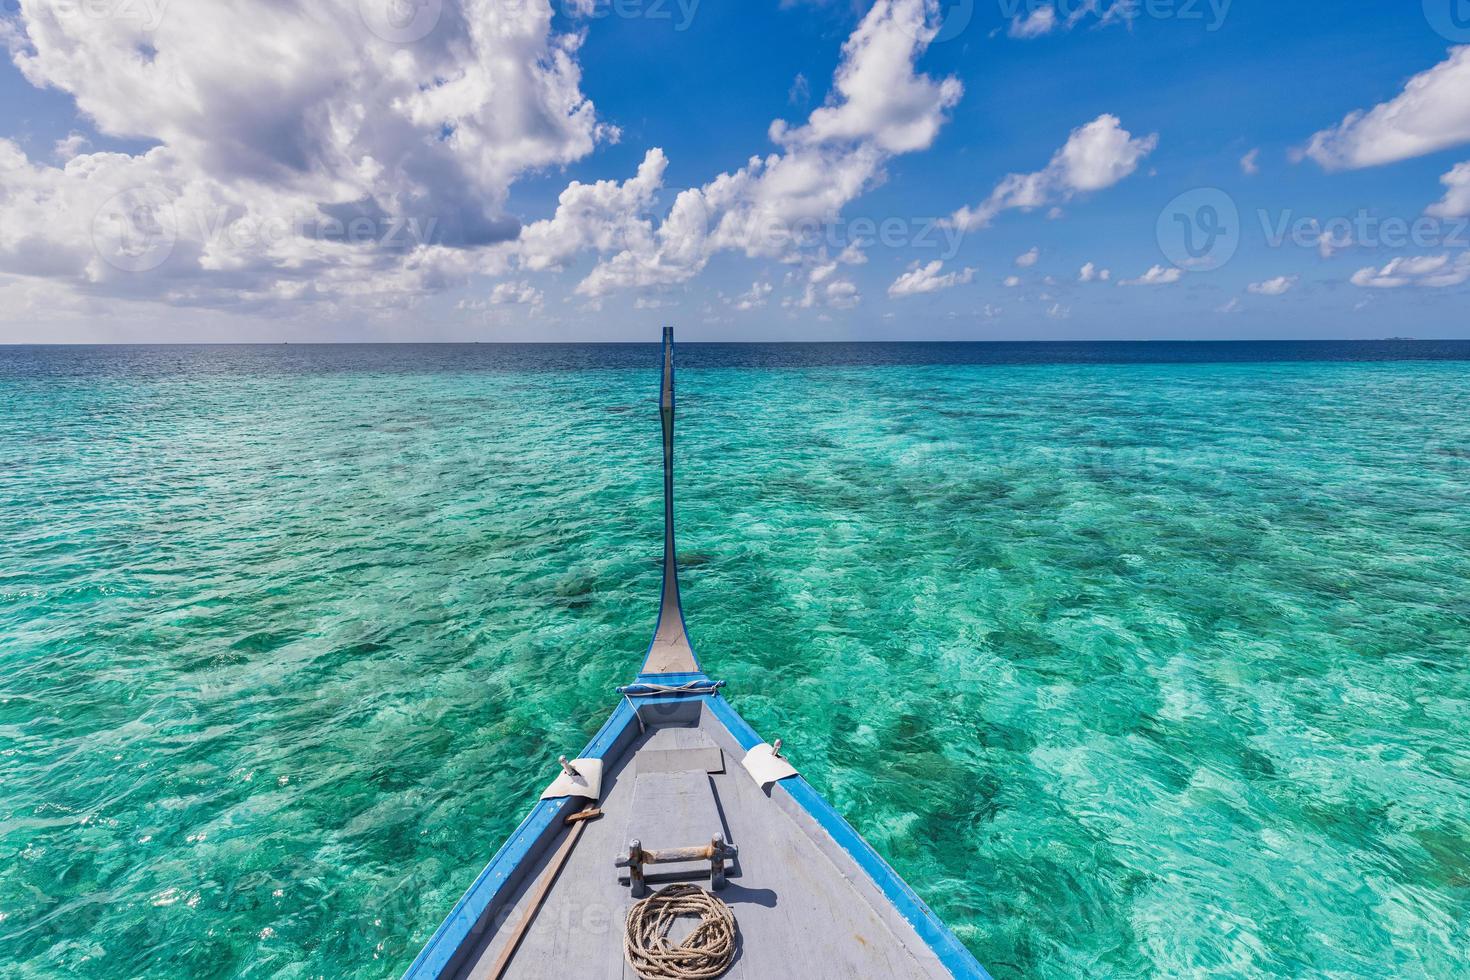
column 450, row 937
column 934, row 933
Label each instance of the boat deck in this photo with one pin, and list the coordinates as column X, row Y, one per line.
column 804, row 908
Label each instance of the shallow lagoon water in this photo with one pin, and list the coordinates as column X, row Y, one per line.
column 1131, row 669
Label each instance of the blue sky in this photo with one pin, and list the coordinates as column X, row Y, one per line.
column 1178, row 169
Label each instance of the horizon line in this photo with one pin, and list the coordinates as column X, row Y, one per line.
column 711, row 343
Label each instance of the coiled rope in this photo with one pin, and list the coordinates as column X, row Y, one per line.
column 705, row 953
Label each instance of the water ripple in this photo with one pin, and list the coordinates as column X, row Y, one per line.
column 1147, row 670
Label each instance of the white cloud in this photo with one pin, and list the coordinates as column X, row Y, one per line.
column 1250, row 164
column 824, row 287
column 1096, row 156
column 755, row 297
column 1042, row 20
column 1456, row 203
column 927, row 279
column 71, row 146
column 516, row 293
column 1027, row 259
column 1157, row 276
column 1059, row 312
column 1230, row 306
column 604, row 216
column 800, row 92
column 1011, row 282
column 1430, row 271
column 842, row 294
column 1432, row 113
column 879, row 107
column 1273, row 287
column 1091, row 273
column 1329, row 242
column 297, row 154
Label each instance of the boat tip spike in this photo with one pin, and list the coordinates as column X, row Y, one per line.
column 776, row 749
column 567, row 767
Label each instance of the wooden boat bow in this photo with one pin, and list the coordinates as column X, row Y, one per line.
column 670, row 652
column 687, row 789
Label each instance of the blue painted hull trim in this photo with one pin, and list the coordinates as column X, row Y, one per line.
column 935, row 934
column 451, row 935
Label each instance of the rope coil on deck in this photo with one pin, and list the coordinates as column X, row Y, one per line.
column 705, row 953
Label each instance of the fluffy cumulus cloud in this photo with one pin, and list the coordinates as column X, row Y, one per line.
column 879, row 107
column 929, row 278
column 1432, row 113
column 824, row 286
column 1429, row 271
column 1456, row 202
column 1091, row 273
column 1096, row 156
column 1028, row 258
column 332, row 150
column 755, row 297
column 1159, row 275
column 605, row 216
column 1273, row 287
column 328, row 149
column 518, row 293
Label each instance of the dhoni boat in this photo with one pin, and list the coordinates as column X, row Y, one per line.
column 679, row 844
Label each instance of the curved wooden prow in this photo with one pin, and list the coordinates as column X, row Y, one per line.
column 670, row 652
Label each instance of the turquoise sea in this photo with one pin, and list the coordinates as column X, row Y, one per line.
column 1135, row 660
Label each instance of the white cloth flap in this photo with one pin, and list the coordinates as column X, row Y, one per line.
column 765, row 766
column 587, row 784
